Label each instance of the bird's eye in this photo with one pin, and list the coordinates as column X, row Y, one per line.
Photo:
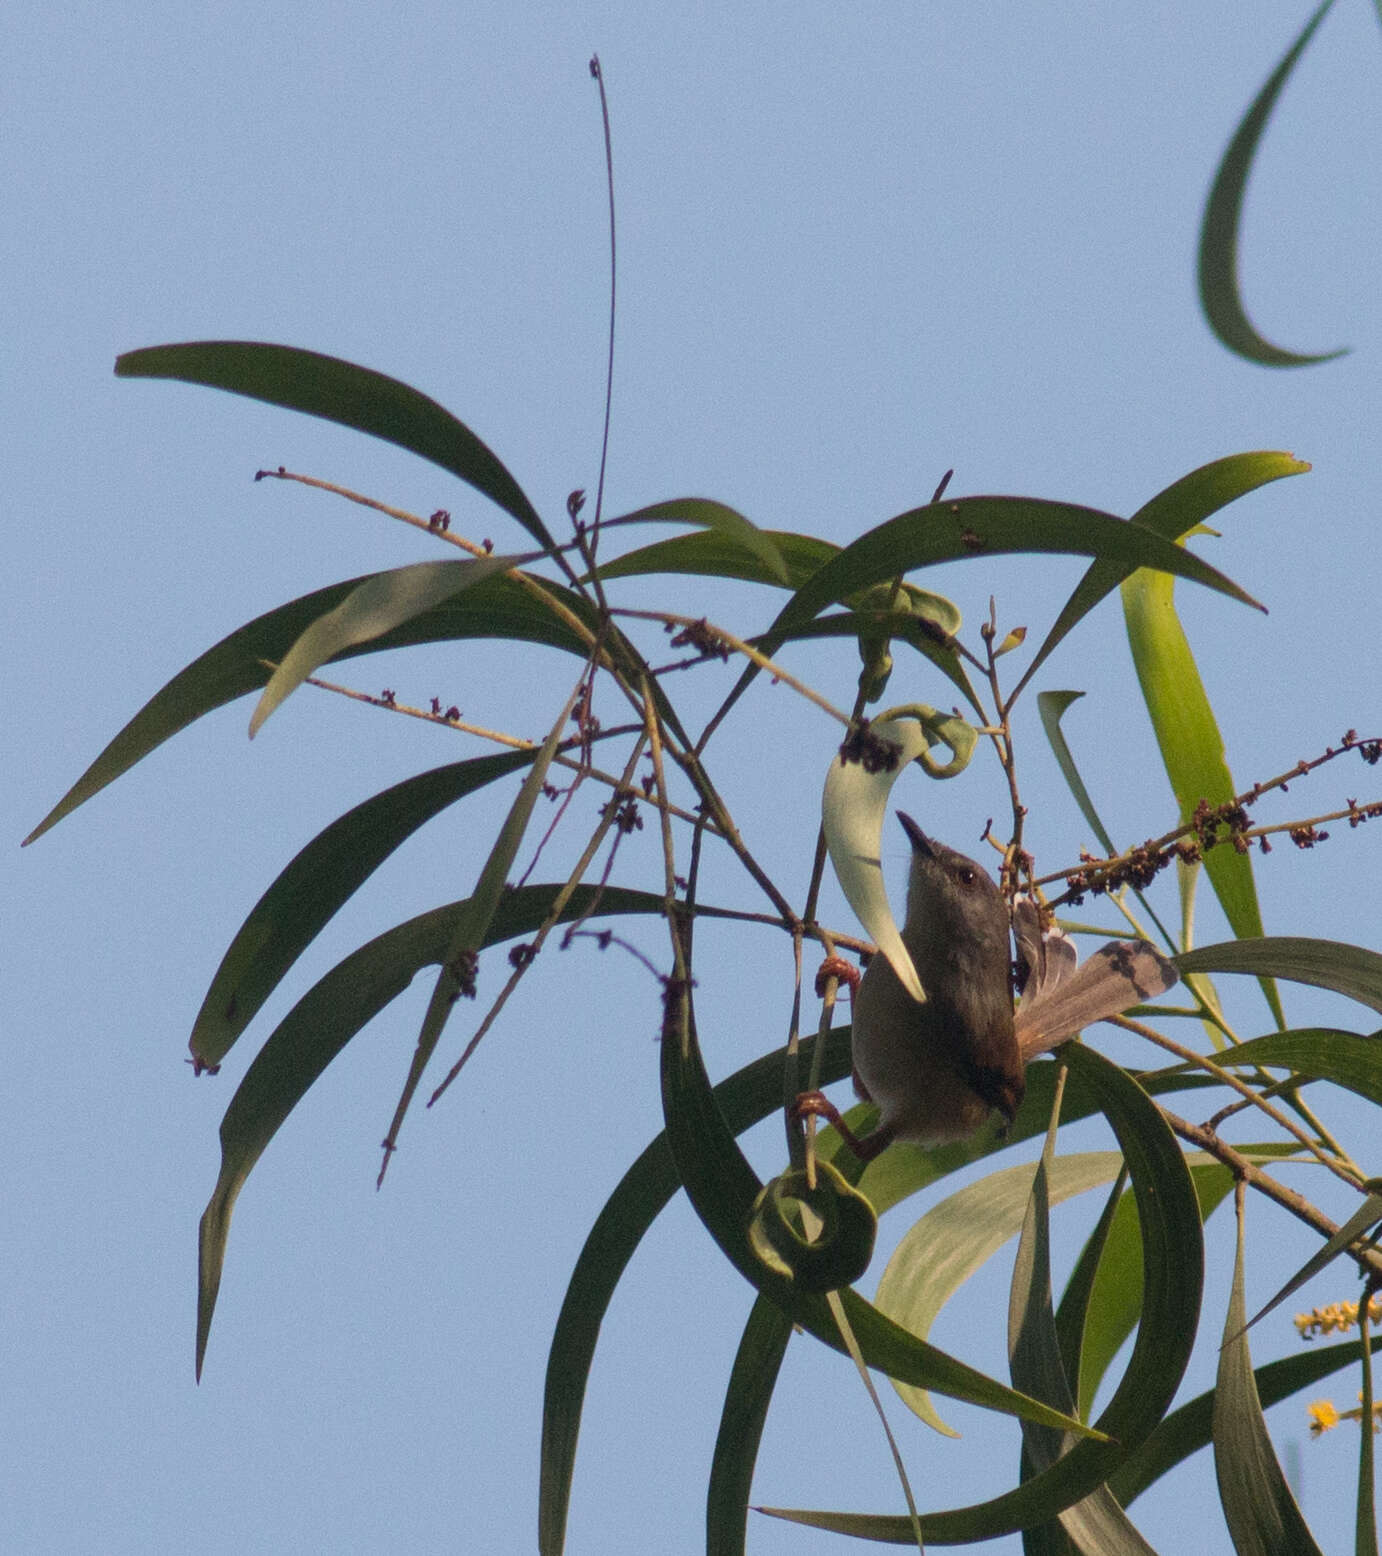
column 967, row 876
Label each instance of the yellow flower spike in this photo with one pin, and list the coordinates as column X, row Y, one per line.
column 1323, row 1417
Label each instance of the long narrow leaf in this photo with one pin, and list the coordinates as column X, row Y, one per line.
column 456, row 976
column 1192, row 749
column 1096, row 1525
column 1328, row 964
column 320, row 878
column 1262, row 1516
column 747, row 1397
column 1220, row 294
column 1172, row 513
column 1187, row 1430
column 498, row 607
column 1173, row 1259
column 379, row 605
column 340, row 391
column 959, row 1235
column 326, row 1018
column 744, row 1098
column 732, row 528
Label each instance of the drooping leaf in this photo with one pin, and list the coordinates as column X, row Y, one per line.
column 959, row 1235
column 854, row 802
column 338, row 391
column 747, row 1397
column 456, row 977
column 1328, row 964
column 1192, row 749
column 320, row 878
column 497, row 607
column 1095, row 1525
column 324, row 1020
column 1052, row 706
column 1187, row 1430
column 976, row 527
column 1173, row 1260
column 729, row 526
column 745, row 1098
column 379, row 605
column 1220, row 294
column 722, row 1188
column 1262, row 1516
column 1172, row 513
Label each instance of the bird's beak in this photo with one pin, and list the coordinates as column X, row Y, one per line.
column 917, row 837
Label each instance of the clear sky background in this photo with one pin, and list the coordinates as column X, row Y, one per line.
column 858, row 245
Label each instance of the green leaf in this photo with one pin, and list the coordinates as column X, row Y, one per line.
column 497, row 607
column 326, row 1018
column 1051, row 706
column 1358, row 1225
column 960, row 1234
column 715, row 555
column 1172, row 513
column 846, row 1230
column 722, row 1188
column 1328, row 964
column 744, row 1098
column 340, row 391
column 1096, row 1525
column 731, row 528
column 1260, row 1512
column 974, row 527
column 1220, row 295
column 456, row 977
column 379, row 605
column 1173, row 1260
column 1192, row 749
column 751, row 1382
column 1187, row 1430
column 322, row 876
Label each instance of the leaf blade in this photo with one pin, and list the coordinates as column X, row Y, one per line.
column 343, row 392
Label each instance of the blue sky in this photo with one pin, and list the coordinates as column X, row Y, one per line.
column 858, row 246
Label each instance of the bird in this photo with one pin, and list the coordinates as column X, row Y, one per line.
column 939, row 1069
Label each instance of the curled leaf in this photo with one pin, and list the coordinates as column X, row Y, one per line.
column 856, row 799
column 845, row 1227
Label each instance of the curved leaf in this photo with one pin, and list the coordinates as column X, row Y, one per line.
column 338, row 391
column 736, row 532
column 1173, row 1259
column 1328, row 964
column 1187, row 734
column 744, row 1098
column 1262, row 1516
column 974, row 527
column 1187, row 1430
column 325, row 1019
column 1220, row 296
column 854, row 802
column 954, row 1238
column 1172, row 513
column 379, row 605
column 722, row 1188
column 751, row 1382
column 714, row 555
column 1095, row 1525
column 497, row 607
column 322, row 876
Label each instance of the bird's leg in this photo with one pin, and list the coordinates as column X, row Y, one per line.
column 817, row 1104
